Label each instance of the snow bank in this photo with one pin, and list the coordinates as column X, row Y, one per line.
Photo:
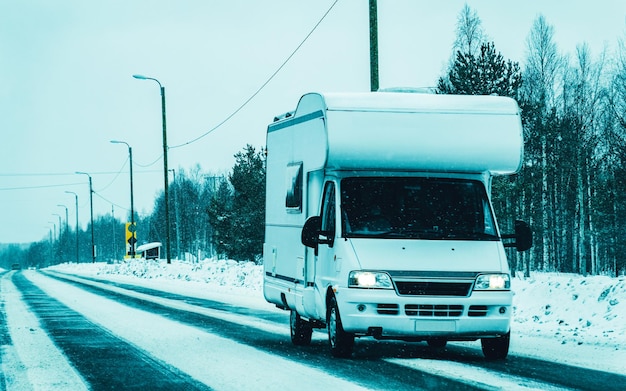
column 224, row 273
column 571, row 308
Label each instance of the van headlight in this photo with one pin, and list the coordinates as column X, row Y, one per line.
column 490, row 282
column 373, row 280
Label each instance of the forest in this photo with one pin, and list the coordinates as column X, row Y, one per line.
column 571, row 188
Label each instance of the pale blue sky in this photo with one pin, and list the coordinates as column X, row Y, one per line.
column 67, row 89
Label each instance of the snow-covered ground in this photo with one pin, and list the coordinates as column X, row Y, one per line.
column 564, row 317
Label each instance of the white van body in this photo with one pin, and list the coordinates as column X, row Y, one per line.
column 420, row 159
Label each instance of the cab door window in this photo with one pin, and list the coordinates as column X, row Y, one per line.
column 328, row 213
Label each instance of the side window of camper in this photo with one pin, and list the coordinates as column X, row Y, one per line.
column 293, row 198
column 328, row 210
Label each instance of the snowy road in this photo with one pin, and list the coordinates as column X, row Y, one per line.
column 61, row 332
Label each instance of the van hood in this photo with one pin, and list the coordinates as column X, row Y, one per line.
column 430, row 255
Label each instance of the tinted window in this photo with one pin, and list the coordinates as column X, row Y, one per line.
column 293, row 199
column 416, row 208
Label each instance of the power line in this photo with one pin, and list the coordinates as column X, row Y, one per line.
column 116, row 173
column 149, row 164
column 245, row 103
column 38, row 187
column 110, row 202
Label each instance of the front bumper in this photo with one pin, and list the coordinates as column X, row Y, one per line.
column 385, row 314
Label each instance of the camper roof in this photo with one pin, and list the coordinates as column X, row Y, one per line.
column 402, row 101
column 410, row 131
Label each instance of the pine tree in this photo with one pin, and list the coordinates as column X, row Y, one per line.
column 220, row 213
column 485, row 74
column 238, row 216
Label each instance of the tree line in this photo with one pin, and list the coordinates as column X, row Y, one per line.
column 571, row 187
column 211, row 216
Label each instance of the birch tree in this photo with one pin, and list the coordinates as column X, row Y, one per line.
column 470, row 34
column 542, row 68
column 583, row 92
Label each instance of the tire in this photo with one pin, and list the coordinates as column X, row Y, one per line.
column 341, row 343
column 301, row 330
column 437, row 343
column 496, row 348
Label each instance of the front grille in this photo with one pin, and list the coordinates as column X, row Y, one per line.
column 477, row 310
column 388, row 309
column 431, row 288
column 436, row 310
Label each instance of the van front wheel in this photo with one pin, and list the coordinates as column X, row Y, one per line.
column 301, row 330
column 341, row 343
column 496, row 348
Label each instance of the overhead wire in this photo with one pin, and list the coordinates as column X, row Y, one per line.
column 39, row 186
column 116, row 175
column 245, row 103
column 109, row 201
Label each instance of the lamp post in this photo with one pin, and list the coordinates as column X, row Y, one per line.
column 132, row 208
column 59, row 248
column 93, row 246
column 176, row 214
column 76, row 198
column 165, row 175
column 54, row 231
column 60, row 223
column 67, row 226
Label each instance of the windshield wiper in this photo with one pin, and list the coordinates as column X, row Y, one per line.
column 470, row 236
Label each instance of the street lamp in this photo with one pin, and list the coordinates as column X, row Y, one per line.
column 67, row 226
column 59, row 248
column 93, row 246
column 132, row 210
column 165, row 178
column 60, row 223
column 54, row 236
column 76, row 198
column 176, row 214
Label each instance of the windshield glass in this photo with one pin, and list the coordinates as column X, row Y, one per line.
column 416, row 208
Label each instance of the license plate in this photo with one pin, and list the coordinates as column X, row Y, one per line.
column 435, row 325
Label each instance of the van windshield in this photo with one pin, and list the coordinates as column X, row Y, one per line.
column 416, row 208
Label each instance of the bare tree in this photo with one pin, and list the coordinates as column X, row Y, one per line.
column 543, row 65
column 469, row 32
column 584, row 91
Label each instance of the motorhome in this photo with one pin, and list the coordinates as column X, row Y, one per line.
column 379, row 221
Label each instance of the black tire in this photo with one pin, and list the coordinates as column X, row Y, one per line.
column 301, row 330
column 437, row 343
column 496, row 348
column 341, row 343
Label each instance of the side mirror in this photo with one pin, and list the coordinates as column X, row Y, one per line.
column 311, row 231
column 523, row 236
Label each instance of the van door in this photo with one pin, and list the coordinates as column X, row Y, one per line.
column 311, row 297
column 325, row 267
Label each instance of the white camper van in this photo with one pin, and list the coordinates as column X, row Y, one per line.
column 379, row 221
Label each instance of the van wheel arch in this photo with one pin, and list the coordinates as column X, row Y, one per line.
column 341, row 342
column 301, row 330
column 496, row 348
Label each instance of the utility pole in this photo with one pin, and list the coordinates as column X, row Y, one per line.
column 132, row 227
column 165, row 170
column 176, row 214
column 374, row 84
column 76, row 199
column 93, row 244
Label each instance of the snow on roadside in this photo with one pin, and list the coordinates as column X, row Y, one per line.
column 571, row 308
column 230, row 281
